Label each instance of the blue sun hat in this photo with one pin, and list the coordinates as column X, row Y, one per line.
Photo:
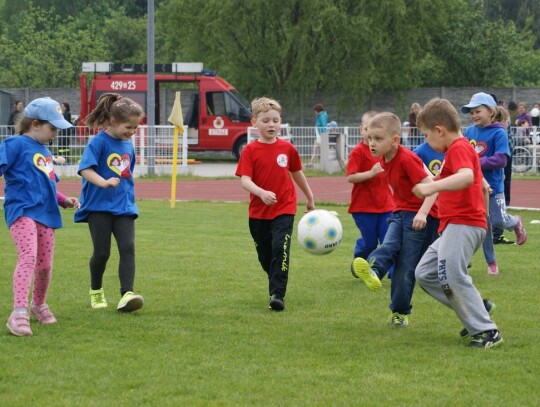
column 48, row 110
column 479, row 99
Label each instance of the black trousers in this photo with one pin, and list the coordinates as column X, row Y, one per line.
column 102, row 225
column 273, row 243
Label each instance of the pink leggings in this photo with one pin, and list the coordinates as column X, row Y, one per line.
column 35, row 248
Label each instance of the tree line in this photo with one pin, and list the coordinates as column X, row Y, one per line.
column 290, row 48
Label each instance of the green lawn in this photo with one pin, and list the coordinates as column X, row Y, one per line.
column 206, row 337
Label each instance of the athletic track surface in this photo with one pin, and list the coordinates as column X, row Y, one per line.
column 525, row 193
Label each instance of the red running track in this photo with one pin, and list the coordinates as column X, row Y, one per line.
column 525, row 193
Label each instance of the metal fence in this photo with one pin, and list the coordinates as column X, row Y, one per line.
column 157, row 159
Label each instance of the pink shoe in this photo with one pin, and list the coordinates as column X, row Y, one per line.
column 493, row 269
column 521, row 233
column 19, row 324
column 43, row 314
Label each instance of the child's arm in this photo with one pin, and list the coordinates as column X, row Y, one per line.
column 268, row 197
column 497, row 160
column 420, row 220
column 94, row 178
column 67, row 201
column 359, row 177
column 462, row 179
column 302, row 183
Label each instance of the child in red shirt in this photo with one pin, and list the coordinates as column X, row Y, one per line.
column 442, row 271
column 371, row 201
column 412, row 226
column 266, row 167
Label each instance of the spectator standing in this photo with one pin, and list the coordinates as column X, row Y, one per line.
column 16, row 114
column 321, row 123
column 535, row 115
column 413, row 133
column 64, row 141
column 513, row 112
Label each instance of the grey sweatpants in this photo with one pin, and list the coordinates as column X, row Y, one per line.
column 442, row 273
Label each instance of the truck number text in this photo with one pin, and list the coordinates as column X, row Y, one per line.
column 123, row 85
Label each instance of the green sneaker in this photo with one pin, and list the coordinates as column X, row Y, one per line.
column 97, row 299
column 488, row 339
column 130, row 302
column 362, row 270
column 398, row 320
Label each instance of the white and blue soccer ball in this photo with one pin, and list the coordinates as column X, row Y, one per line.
column 320, row 231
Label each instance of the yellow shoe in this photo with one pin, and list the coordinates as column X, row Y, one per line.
column 97, row 299
column 363, row 271
column 130, row 302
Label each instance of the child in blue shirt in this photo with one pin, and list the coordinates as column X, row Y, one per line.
column 490, row 141
column 108, row 198
column 31, row 209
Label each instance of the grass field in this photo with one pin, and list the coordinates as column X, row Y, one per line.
column 206, row 337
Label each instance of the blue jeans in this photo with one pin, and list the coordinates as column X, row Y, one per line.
column 373, row 227
column 403, row 247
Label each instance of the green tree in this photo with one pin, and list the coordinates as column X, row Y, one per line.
column 475, row 51
column 44, row 51
column 301, row 46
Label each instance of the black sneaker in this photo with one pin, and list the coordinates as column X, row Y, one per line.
column 490, row 308
column 503, row 240
column 276, row 303
column 488, row 339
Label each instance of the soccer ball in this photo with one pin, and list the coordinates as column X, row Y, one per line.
column 319, row 231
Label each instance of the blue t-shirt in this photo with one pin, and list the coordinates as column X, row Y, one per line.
column 430, row 157
column 488, row 141
column 109, row 157
column 30, row 182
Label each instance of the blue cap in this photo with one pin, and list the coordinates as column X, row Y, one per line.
column 479, row 99
column 48, row 110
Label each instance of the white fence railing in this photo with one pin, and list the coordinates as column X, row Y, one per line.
column 156, row 158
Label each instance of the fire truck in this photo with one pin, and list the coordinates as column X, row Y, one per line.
column 217, row 115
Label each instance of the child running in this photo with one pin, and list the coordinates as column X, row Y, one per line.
column 108, row 198
column 371, row 201
column 31, row 209
column 412, row 226
column 489, row 138
column 266, row 167
column 442, row 271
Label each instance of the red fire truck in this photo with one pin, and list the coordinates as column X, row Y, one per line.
column 217, row 115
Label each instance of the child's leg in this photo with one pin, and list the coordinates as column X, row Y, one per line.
column 427, row 275
column 261, row 232
column 383, row 257
column 24, row 234
column 124, row 232
column 458, row 244
column 382, row 225
column 367, row 223
column 402, row 287
column 282, row 228
column 487, row 244
column 499, row 217
column 43, row 270
column 100, row 225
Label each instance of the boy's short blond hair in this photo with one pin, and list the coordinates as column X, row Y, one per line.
column 264, row 104
column 439, row 112
column 387, row 121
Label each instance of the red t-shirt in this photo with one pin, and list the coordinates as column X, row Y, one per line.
column 466, row 206
column 268, row 166
column 372, row 195
column 403, row 172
